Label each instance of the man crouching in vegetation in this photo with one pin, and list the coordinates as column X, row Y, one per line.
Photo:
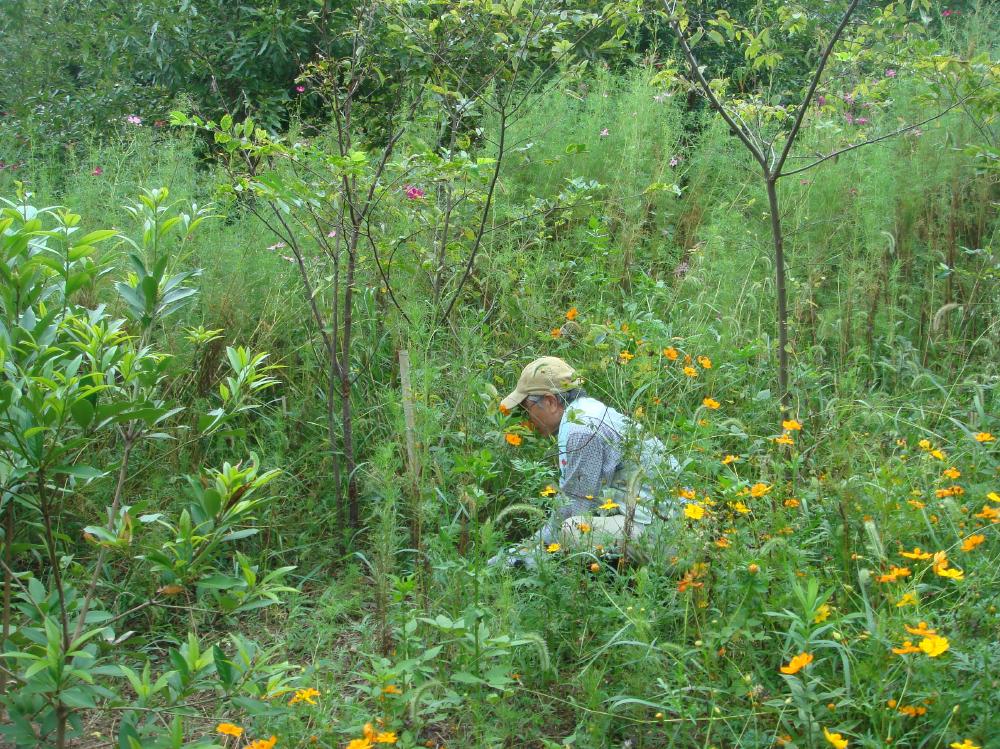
column 607, row 470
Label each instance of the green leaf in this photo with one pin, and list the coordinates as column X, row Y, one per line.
column 82, row 412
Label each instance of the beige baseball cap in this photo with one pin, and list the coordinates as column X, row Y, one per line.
column 549, row 374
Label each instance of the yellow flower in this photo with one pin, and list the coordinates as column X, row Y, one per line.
column 792, row 502
column 924, row 444
column 907, row 648
column 548, row 491
column 915, row 504
column 836, row 740
column 671, row 353
column 917, row 553
column 695, row 512
column 571, row 313
column 391, row 689
column 785, row 439
column 966, row 744
column 553, row 548
column 705, row 362
column 304, row 695
column 908, row 599
column 822, row 614
column 937, row 454
column 921, row 629
column 984, row 437
column 973, row 541
column 791, row 425
column 513, row 439
column 386, row 737
column 797, row 663
column 710, row 403
column 722, row 543
column 993, row 497
column 741, row 508
column 934, row 645
column 228, row 729
column 556, row 332
column 952, row 473
column 625, row 357
column 940, row 565
column 263, row 743
column 894, row 574
column 608, row 505
column 359, row 744
column 690, row 371
column 584, row 527
column 686, row 493
column 759, row 489
column 734, row 459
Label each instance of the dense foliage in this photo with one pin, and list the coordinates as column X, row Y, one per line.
column 268, row 267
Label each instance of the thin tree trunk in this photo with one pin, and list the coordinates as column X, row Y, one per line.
column 353, row 513
column 779, row 277
column 8, row 582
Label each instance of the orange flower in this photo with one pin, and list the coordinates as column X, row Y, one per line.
column 228, row 729
column 504, row 410
column 722, row 543
column 951, row 473
column 571, row 313
column 690, row 371
column 759, row 489
column 797, row 663
column 513, row 439
column 791, row 425
column 263, row 743
column 912, row 710
column 625, row 357
column 907, row 648
column 894, row 574
column 710, row 403
column 556, row 332
column 989, row 513
column 705, row 362
column 785, row 439
column 792, row 502
column 671, row 353
column 941, row 568
column 973, row 541
column 391, row 689
column 984, row 437
column 917, row 553
column 730, row 459
column 921, row 629
column 686, row 493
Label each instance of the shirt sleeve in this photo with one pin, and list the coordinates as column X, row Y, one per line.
column 581, row 466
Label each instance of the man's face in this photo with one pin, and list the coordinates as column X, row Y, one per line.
column 545, row 413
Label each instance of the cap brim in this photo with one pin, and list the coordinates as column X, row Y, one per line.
column 513, row 400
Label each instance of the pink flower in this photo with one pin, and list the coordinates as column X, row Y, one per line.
column 849, row 98
column 604, row 133
column 133, row 119
column 300, row 89
column 675, row 160
column 413, row 193
column 821, row 100
column 890, row 73
column 850, row 118
column 861, row 121
column 947, row 13
column 97, row 171
column 332, row 233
